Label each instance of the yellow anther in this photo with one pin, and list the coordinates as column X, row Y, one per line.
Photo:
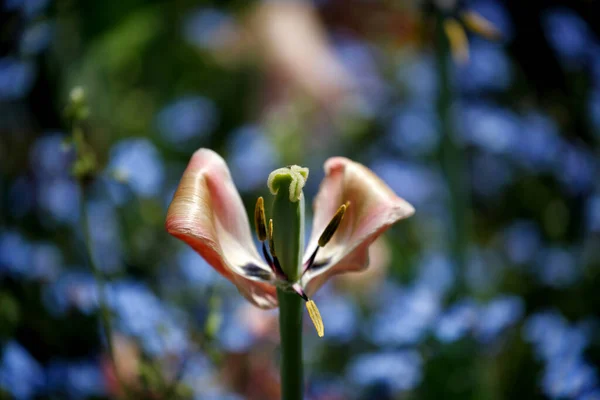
column 478, row 24
column 260, row 221
column 315, row 316
column 271, row 241
column 333, row 225
column 459, row 44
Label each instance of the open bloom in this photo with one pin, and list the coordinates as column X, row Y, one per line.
column 353, row 207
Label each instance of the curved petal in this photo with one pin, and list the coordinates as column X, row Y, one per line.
column 208, row 214
column 373, row 208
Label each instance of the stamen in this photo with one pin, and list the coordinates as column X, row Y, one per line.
column 276, row 265
column 312, row 309
column 333, row 225
column 260, row 221
column 478, row 24
column 271, row 241
column 459, row 44
column 298, row 289
column 315, row 316
column 311, row 260
column 268, row 257
column 327, row 234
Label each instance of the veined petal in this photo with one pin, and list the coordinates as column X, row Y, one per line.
column 208, row 214
column 373, row 207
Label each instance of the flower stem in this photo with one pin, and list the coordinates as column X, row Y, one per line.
column 452, row 156
column 105, row 322
column 290, row 326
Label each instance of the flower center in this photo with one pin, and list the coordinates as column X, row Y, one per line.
column 265, row 232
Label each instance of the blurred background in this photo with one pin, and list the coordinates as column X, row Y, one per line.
column 490, row 291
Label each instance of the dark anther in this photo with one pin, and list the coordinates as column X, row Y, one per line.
column 326, row 237
column 332, row 226
column 260, row 221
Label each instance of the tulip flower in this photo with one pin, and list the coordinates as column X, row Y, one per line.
column 352, row 208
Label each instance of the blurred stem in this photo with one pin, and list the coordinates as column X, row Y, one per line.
column 451, row 155
column 290, row 327
column 288, row 236
column 105, row 322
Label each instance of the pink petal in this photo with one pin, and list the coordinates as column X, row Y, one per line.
column 374, row 207
column 295, row 42
column 208, row 214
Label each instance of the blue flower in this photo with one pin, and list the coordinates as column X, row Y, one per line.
column 594, row 104
column 557, row 267
column 15, row 253
column 436, row 273
column 568, row 378
column 140, row 164
column 415, row 130
column 105, row 236
column 46, row 261
column 72, row 289
column 576, row 169
column 327, row 388
column 209, row 28
column 567, row 32
column 457, row 321
column 234, row 335
column 406, row 318
column 553, row 339
column 488, row 68
column 60, row 198
column 400, row 371
column 593, row 213
column 491, row 174
column 196, row 365
column 498, row 315
column 561, row 347
column 16, row 78
column 251, row 157
column 30, row 8
column 36, row 38
column 20, row 374
column 416, row 183
column 419, row 76
column 492, row 128
column 522, row 241
column 592, row 395
column 21, row 197
column 195, row 269
column 188, row 118
column 359, row 59
column 160, row 329
column 49, row 158
column 540, row 143
column 79, row 379
column 341, row 316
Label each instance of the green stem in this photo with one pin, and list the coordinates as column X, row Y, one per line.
column 290, row 326
column 105, row 322
column 452, row 156
column 288, row 235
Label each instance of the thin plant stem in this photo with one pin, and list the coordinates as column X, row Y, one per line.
column 290, row 326
column 452, row 156
column 105, row 321
column 104, row 311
